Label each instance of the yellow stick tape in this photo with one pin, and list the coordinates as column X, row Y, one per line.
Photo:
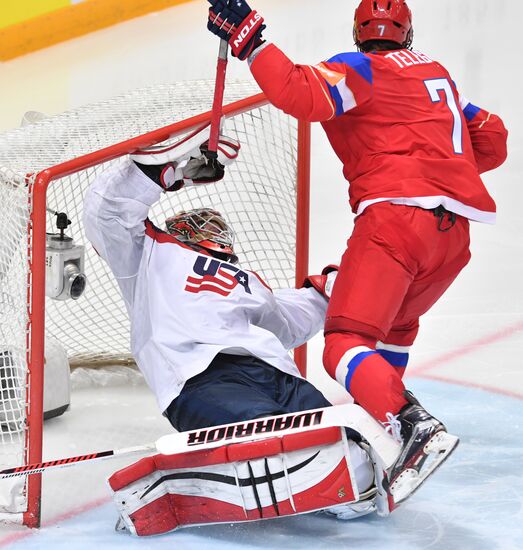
column 71, row 22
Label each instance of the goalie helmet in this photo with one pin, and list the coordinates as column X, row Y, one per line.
column 388, row 20
column 206, row 229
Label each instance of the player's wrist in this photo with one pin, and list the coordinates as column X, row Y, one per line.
column 257, row 51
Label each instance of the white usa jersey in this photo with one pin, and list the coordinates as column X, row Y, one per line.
column 186, row 307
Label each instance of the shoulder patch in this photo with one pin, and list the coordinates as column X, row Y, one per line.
column 470, row 111
column 357, row 61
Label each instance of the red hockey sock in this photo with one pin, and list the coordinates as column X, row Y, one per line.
column 353, row 361
column 376, row 386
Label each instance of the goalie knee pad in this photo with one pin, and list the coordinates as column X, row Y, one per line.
column 265, row 479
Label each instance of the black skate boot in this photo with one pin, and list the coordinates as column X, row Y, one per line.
column 425, row 446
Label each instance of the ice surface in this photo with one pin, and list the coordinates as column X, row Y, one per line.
column 473, row 502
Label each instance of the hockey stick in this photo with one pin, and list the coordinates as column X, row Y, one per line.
column 217, row 106
column 40, row 467
column 351, row 416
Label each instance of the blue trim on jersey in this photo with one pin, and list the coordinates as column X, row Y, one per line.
column 357, row 61
column 470, row 111
column 354, row 363
column 335, row 94
column 395, row 358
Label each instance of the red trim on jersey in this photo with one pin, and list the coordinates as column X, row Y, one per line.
column 261, row 280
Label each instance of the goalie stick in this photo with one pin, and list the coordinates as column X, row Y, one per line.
column 351, row 416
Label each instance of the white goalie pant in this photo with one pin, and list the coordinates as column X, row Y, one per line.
column 270, row 478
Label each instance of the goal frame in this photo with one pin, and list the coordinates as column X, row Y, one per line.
column 37, row 252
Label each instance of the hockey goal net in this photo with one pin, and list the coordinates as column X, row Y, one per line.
column 47, row 166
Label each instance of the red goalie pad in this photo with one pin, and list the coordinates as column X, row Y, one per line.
column 241, row 482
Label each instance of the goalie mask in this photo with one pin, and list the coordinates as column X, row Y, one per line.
column 206, row 229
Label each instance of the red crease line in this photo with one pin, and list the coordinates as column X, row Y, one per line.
column 466, row 349
column 456, row 382
column 15, row 537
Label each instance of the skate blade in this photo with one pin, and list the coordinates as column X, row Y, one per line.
column 437, row 450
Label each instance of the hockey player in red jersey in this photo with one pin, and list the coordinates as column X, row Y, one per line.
column 412, row 149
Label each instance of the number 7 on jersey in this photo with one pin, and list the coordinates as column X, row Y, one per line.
column 443, row 85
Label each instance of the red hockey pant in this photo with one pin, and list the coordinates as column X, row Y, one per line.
column 397, row 265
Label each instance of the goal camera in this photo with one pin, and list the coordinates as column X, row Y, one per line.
column 64, row 264
column 64, row 268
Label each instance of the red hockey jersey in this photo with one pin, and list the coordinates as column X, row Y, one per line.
column 398, row 124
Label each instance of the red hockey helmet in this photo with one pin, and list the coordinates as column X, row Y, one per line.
column 205, row 228
column 383, row 20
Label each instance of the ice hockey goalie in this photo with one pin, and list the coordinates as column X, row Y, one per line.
column 279, row 476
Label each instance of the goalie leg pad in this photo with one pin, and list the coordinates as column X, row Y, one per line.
column 265, row 479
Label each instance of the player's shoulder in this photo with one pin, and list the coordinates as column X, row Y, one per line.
column 359, row 62
column 351, row 59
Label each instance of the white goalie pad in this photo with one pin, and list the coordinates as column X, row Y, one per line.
column 240, row 482
column 187, row 161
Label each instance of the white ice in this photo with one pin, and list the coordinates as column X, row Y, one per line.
column 466, row 366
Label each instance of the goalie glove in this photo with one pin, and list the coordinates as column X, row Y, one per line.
column 323, row 283
column 185, row 163
column 235, row 22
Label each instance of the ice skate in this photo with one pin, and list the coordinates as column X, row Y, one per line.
column 426, row 445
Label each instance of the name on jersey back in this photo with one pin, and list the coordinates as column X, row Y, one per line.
column 408, row 58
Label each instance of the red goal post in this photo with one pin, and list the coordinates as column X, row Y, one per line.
column 270, row 138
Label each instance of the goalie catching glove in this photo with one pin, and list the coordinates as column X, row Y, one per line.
column 236, row 23
column 186, row 163
column 323, row 283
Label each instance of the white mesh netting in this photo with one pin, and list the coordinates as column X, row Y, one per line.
column 257, row 196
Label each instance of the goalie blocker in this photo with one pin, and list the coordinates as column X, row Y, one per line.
column 279, row 476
